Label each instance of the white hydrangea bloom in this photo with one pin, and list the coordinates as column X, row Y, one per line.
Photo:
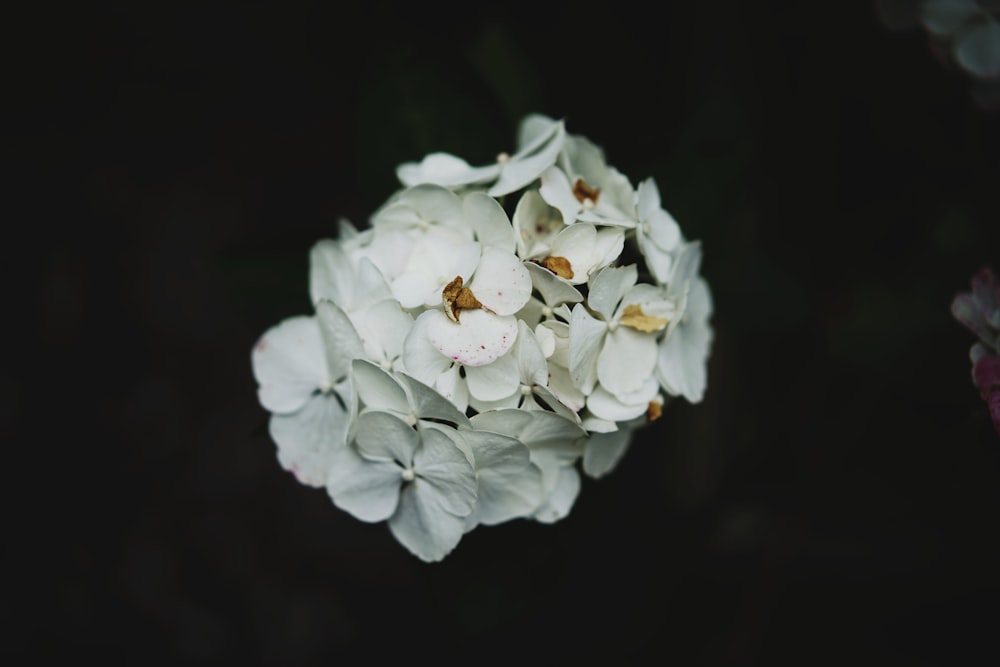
column 495, row 333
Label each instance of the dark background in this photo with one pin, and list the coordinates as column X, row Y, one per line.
column 835, row 496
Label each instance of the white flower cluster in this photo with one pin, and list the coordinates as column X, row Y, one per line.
column 494, row 332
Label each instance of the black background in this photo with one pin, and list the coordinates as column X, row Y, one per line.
column 835, row 496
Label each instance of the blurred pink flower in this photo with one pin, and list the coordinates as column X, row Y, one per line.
column 979, row 312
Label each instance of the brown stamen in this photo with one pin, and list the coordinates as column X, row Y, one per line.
column 653, row 411
column 583, row 192
column 457, row 298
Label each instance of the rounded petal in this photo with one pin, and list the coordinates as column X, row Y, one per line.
column 577, row 244
column 443, row 169
column 608, row 286
column 489, row 220
column 535, row 223
column 607, row 406
column 529, row 162
column 368, row 490
column 561, row 485
column 495, row 381
column 603, row 451
column 429, row 404
column 682, row 361
column 554, row 290
column 331, row 275
column 340, row 339
column 377, row 389
column 557, row 192
column 586, row 335
column 510, row 486
column 384, row 328
column 422, row 359
column 382, row 436
column 307, row 439
column 419, row 525
column 531, row 364
column 289, row 364
column 479, row 338
column 444, row 471
column 501, row 282
column 626, row 361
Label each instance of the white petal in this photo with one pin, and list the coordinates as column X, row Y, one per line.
column 682, row 362
column 529, row 162
column 577, row 244
column 479, row 338
column 368, row 490
column 510, row 485
column 550, row 432
column 533, row 130
column 306, row 439
column 598, row 425
column 586, row 335
column 429, row 404
column 425, row 205
column 501, row 282
column 564, row 389
column 416, row 288
column 532, row 366
column 608, row 286
column 422, row 360
column 562, row 487
column 377, row 389
column 382, row 436
column 340, row 339
column 331, row 275
column 441, row 465
column 443, row 169
column 421, row 526
column 699, row 304
column 489, row 220
column 647, row 198
column 554, row 290
column 608, row 247
column 386, row 325
column 451, row 386
column 606, row 406
column 626, row 360
column 557, row 192
column 603, row 451
column 535, row 225
column 494, row 381
column 289, row 364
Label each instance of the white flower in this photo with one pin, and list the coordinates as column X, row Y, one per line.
column 508, row 484
column 584, row 187
column 657, row 234
column 301, row 366
column 539, row 141
column 618, row 346
column 682, row 359
column 555, row 445
column 475, row 329
column 466, row 368
column 417, row 479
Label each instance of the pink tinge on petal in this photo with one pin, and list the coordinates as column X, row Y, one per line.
column 993, row 402
column 986, row 373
